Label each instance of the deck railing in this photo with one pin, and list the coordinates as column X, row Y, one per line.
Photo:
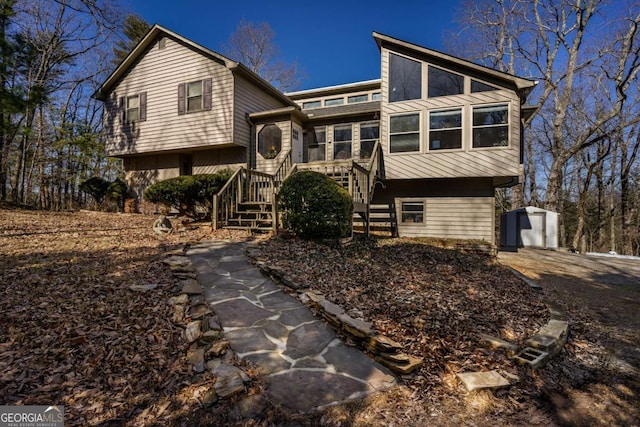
column 225, row 203
column 251, row 186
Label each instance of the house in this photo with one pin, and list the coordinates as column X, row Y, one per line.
column 422, row 149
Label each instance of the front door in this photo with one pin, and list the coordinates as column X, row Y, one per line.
column 297, row 145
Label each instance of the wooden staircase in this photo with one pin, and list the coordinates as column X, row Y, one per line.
column 248, row 201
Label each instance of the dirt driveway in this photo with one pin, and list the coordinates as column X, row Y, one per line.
column 602, row 358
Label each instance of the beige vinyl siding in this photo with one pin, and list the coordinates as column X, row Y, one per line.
column 464, row 162
column 452, row 218
column 158, row 73
column 269, row 165
column 249, row 99
column 144, row 170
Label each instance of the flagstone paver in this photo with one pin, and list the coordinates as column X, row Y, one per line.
column 306, row 367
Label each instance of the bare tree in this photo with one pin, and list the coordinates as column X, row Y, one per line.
column 253, row 45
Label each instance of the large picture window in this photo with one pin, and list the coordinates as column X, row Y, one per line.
column 405, row 78
column 404, row 133
column 342, row 137
column 369, row 134
column 269, row 141
column 444, row 83
column 491, row 126
column 445, row 129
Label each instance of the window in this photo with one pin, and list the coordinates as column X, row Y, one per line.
column 369, row 134
column 194, row 96
column 477, row 86
column 342, row 142
column 404, row 133
column 412, row 212
column 376, row 96
column 334, row 101
column 269, row 141
column 491, row 126
column 444, row 83
column 405, row 78
column 357, row 98
column 317, row 148
column 133, row 108
column 445, row 130
column 311, row 104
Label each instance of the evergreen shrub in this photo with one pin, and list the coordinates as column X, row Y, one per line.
column 314, row 206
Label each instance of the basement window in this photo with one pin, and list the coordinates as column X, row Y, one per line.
column 412, row 212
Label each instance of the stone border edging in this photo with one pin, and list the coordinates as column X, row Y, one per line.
column 207, row 349
column 384, row 350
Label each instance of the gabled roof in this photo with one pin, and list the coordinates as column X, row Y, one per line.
column 154, row 32
column 521, row 84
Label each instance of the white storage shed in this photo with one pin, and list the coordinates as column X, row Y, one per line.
column 529, row 227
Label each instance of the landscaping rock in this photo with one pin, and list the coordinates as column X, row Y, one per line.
column 406, row 367
column 483, row 380
column 380, row 343
column 177, row 261
column 178, row 313
column 143, row 288
column 191, row 287
column 196, row 359
column 218, row 348
column 210, row 397
column 180, row 299
column 193, row 332
column 199, row 311
column 495, row 342
column 210, row 336
column 229, row 380
column 355, row 327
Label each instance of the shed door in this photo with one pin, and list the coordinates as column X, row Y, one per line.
column 532, row 229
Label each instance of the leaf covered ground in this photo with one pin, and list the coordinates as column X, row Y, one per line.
column 72, row 331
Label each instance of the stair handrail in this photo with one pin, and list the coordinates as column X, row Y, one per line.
column 282, row 171
column 226, row 200
column 375, row 167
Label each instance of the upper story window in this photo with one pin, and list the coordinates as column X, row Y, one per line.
column 194, row 96
column 133, row 108
column 404, row 133
column 477, row 86
column 491, row 126
column 376, row 96
column 445, row 129
column 405, row 78
column 269, row 141
column 369, row 135
column 334, row 101
column 342, row 137
column 311, row 104
column 444, row 83
column 357, row 98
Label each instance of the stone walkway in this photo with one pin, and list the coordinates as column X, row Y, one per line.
column 305, row 366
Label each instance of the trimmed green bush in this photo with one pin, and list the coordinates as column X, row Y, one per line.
column 190, row 195
column 315, row 206
column 117, row 191
column 96, row 187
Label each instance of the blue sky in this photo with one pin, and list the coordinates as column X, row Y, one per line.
column 329, row 39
